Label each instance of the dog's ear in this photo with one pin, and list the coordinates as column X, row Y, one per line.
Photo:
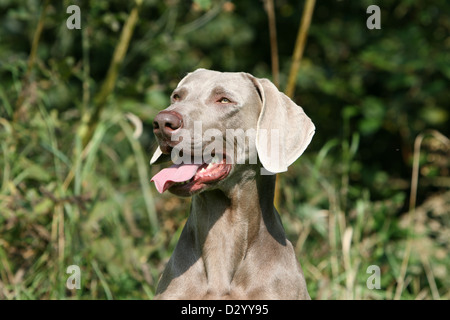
column 159, row 157
column 283, row 131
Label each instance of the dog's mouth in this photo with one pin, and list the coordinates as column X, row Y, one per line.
column 187, row 179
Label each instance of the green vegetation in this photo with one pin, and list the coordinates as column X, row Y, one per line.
column 74, row 181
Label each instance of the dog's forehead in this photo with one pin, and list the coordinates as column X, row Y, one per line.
column 205, row 80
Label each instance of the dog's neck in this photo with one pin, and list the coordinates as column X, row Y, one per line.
column 224, row 224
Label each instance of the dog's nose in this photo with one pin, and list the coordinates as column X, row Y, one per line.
column 167, row 122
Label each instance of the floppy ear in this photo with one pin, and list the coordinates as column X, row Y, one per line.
column 283, row 131
column 159, row 157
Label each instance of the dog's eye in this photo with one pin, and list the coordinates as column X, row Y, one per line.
column 224, row 100
column 176, row 97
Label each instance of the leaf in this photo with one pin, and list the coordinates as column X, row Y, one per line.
column 203, row 4
column 373, row 112
column 434, row 115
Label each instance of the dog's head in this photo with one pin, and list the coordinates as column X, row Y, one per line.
column 219, row 122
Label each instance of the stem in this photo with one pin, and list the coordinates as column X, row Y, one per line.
column 412, row 210
column 273, row 42
column 86, row 69
column 20, row 104
column 90, row 122
column 300, row 46
column 298, row 52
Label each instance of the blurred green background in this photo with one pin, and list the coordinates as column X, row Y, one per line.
column 74, row 180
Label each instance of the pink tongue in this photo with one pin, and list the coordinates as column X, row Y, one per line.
column 175, row 173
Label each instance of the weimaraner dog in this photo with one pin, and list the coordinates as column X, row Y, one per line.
column 233, row 245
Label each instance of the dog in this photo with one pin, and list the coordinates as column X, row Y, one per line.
column 228, row 134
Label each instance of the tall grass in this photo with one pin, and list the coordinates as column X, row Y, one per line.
column 62, row 204
column 341, row 231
